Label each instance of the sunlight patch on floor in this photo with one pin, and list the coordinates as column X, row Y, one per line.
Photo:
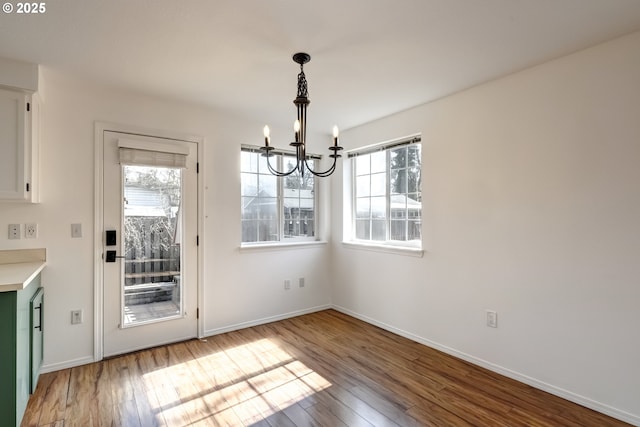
column 254, row 380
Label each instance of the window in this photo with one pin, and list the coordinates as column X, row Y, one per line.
column 276, row 209
column 387, row 200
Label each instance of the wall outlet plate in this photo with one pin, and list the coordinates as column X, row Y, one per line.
column 492, row 319
column 31, row 231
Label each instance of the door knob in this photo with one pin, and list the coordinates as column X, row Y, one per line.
column 111, row 256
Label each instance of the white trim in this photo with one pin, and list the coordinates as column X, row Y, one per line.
column 279, row 246
column 98, row 226
column 201, row 233
column 398, row 250
column 549, row 388
column 99, row 129
column 67, row 364
column 264, row 320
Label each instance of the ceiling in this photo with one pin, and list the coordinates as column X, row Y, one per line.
column 370, row 58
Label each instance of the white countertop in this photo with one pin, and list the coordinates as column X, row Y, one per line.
column 19, row 267
column 15, row 277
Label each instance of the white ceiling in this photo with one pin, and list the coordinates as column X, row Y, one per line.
column 370, row 58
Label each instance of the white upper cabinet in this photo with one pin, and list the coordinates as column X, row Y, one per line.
column 19, row 139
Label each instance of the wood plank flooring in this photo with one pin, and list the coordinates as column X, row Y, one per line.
column 321, row 369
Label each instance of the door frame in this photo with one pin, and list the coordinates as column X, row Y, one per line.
column 98, row 281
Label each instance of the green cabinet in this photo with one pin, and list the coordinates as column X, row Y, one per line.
column 36, row 307
column 17, row 359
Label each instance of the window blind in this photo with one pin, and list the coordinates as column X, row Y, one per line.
column 144, row 153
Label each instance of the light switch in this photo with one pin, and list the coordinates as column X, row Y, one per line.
column 15, row 230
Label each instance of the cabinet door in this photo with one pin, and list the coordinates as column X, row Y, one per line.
column 37, row 306
column 15, row 149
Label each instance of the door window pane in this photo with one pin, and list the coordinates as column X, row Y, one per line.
column 152, row 235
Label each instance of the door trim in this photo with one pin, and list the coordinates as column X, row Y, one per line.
column 98, row 284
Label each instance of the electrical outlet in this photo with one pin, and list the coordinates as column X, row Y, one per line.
column 492, row 319
column 76, row 317
column 76, row 230
column 287, row 285
column 301, row 282
column 15, row 230
column 31, row 231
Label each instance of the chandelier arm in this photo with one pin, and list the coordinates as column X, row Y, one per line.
column 277, row 172
column 324, row 174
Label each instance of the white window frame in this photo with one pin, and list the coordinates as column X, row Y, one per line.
column 280, row 156
column 412, row 247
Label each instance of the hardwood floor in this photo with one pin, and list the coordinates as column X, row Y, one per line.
column 322, row 369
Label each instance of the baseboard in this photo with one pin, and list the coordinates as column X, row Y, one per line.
column 549, row 388
column 66, row 364
column 52, row 367
column 243, row 325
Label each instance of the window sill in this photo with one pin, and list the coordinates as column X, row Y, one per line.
column 279, row 246
column 398, row 250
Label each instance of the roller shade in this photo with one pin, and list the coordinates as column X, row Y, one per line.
column 143, row 153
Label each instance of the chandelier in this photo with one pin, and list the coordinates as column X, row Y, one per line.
column 300, row 130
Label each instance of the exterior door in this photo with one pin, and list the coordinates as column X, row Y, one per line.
column 150, row 241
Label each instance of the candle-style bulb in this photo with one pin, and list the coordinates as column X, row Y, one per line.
column 266, row 132
column 336, row 132
column 296, row 129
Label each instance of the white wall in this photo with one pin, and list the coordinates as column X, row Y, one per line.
column 531, row 187
column 240, row 287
